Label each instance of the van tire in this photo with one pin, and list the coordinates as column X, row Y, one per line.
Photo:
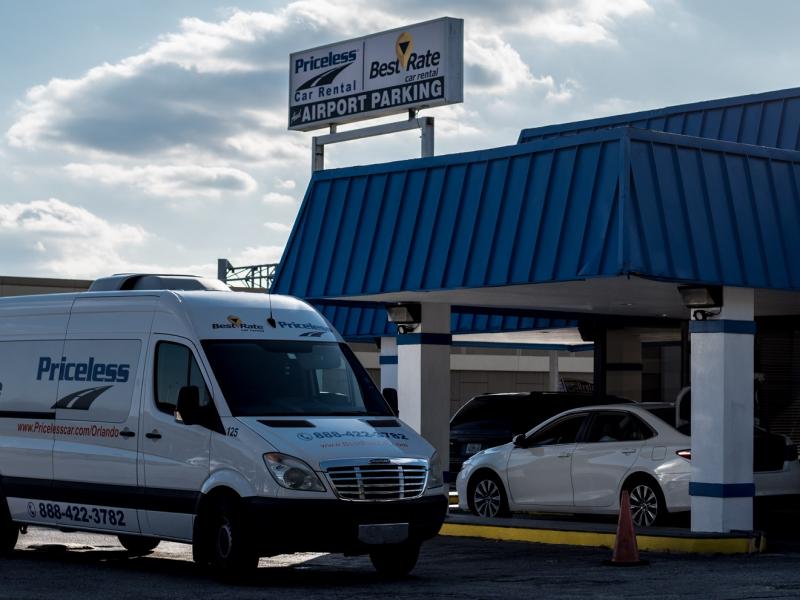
column 138, row 545
column 9, row 530
column 222, row 541
column 395, row 561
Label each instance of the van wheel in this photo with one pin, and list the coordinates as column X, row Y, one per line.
column 395, row 561
column 223, row 543
column 137, row 544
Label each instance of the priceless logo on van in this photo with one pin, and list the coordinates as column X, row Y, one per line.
column 92, row 370
column 235, row 322
column 307, row 325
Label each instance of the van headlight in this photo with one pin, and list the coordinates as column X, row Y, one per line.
column 435, row 478
column 292, row 473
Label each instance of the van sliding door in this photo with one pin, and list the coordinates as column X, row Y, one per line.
column 97, row 413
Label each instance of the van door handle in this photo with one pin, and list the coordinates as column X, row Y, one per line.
column 153, row 435
column 629, row 451
column 127, row 433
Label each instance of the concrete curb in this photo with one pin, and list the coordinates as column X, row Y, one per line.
column 518, row 530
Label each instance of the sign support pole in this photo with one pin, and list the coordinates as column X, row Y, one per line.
column 425, row 124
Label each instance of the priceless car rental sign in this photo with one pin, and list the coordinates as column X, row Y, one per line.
column 411, row 67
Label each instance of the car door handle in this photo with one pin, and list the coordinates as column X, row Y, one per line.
column 153, row 435
column 127, row 433
column 629, row 451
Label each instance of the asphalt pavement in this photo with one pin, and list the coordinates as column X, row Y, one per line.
column 55, row 565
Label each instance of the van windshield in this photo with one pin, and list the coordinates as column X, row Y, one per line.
column 291, row 378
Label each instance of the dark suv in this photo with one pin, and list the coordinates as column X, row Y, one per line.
column 493, row 419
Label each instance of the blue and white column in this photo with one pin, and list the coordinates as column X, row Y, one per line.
column 722, row 487
column 423, row 373
column 388, row 362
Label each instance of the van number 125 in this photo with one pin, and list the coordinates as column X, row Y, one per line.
column 233, row 432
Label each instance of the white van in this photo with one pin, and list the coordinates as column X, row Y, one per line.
column 171, row 408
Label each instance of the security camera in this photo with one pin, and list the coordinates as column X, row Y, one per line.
column 702, row 315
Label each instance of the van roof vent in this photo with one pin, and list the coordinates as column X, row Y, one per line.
column 147, row 281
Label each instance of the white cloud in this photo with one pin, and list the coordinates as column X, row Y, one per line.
column 580, row 22
column 201, row 113
column 274, row 198
column 285, row 184
column 219, row 89
column 70, row 240
column 257, row 255
column 170, row 181
column 495, row 66
column 278, row 227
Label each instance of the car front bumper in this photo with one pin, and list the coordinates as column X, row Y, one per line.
column 281, row 525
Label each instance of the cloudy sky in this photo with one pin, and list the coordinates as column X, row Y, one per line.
column 151, row 135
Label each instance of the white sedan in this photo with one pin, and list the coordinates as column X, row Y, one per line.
column 581, row 460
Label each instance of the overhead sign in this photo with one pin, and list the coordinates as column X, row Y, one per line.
column 412, row 67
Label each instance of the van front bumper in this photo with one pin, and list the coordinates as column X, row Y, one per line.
column 281, row 525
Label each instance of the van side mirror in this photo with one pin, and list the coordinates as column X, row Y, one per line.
column 188, row 409
column 391, row 399
column 519, row 441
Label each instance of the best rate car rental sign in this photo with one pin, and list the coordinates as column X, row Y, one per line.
column 411, row 67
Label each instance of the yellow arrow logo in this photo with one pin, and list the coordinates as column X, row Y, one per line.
column 403, row 48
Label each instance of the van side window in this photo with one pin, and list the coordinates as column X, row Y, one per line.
column 176, row 368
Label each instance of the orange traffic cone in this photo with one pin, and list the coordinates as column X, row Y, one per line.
column 626, row 552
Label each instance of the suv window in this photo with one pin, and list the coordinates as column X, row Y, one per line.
column 176, row 368
column 617, row 427
column 563, row 431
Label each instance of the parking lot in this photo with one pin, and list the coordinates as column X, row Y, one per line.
column 51, row 564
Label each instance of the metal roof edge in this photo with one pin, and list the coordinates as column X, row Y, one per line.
column 551, row 144
column 525, row 346
column 703, row 143
column 473, row 155
column 658, row 112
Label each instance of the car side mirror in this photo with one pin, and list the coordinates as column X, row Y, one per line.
column 519, row 441
column 391, row 399
column 188, row 409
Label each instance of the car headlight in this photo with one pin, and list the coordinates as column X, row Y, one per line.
column 292, row 473
column 435, row 478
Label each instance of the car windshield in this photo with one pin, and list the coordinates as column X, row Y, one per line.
column 283, row 378
column 515, row 413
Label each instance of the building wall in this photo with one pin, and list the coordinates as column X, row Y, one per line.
column 475, row 371
column 25, row 286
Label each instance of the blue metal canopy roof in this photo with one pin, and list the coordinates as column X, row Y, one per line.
column 609, row 203
column 768, row 119
column 366, row 321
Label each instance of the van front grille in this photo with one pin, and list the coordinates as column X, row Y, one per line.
column 378, row 481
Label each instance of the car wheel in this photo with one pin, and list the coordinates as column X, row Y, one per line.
column 137, row 544
column 487, row 498
column 223, row 542
column 396, row 560
column 647, row 503
column 9, row 530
